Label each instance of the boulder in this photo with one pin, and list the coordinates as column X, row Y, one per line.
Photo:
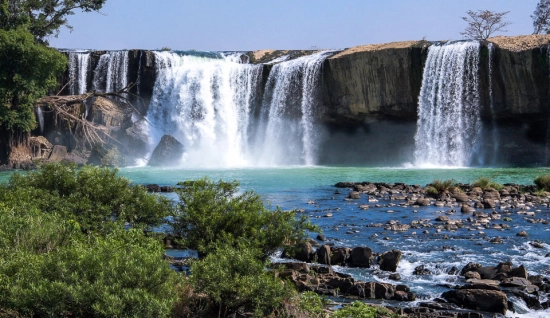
column 361, row 256
column 339, row 255
column 470, row 267
column 58, row 153
column 167, row 153
column 478, row 299
column 389, row 260
column 460, row 197
column 323, row 254
column 354, row 195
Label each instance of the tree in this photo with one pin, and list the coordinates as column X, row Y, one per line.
column 43, row 18
column 211, row 213
column 541, row 17
column 483, row 23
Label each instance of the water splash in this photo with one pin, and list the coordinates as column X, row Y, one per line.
column 449, row 122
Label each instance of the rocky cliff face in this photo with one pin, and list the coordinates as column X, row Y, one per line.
column 369, row 103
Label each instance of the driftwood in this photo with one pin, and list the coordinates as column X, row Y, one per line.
column 91, row 133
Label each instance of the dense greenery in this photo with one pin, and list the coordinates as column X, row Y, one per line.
column 211, row 213
column 58, row 259
column 234, row 278
column 27, row 71
column 90, row 196
column 361, row 310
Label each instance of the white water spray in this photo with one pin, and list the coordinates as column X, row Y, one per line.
column 449, row 122
column 290, row 136
column 205, row 103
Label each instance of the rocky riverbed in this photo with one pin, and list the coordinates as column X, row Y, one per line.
column 427, row 250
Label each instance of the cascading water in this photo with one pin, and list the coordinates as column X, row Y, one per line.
column 205, row 102
column 79, row 64
column 40, row 117
column 111, row 72
column 449, row 122
column 288, row 112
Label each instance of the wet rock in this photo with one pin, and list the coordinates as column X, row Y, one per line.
column 354, row 195
column 487, row 272
column 466, row 208
column 321, row 237
column 389, row 260
column 472, row 275
column 395, row 276
column 470, row 267
column 339, row 255
column 167, row 153
column 487, row 284
column 153, row 188
column 360, row 257
column 422, row 202
column 489, row 204
column 323, row 255
column 523, row 234
column 479, row 299
column 421, row 270
column 442, row 218
column 536, row 244
column 519, row 271
column 460, row 197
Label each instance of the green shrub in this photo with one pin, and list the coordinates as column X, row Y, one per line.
column 543, row 182
column 313, row 304
column 50, row 269
column 442, row 186
column 485, row 183
column 91, row 196
column 215, row 212
column 361, row 310
column 234, row 278
column 431, row 191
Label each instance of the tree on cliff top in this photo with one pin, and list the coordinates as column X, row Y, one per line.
column 541, row 17
column 483, row 23
column 43, row 18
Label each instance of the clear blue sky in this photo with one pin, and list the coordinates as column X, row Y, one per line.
column 216, row 25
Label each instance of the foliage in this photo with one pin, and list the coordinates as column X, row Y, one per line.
column 234, row 278
column 543, row 182
column 483, row 23
column 120, row 275
column 214, row 212
column 442, row 186
column 430, row 190
column 485, row 183
column 91, row 196
column 541, row 17
column 43, row 18
column 361, row 310
column 27, row 72
column 313, row 304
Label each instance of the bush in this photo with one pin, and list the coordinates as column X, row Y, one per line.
column 91, row 196
column 211, row 213
column 49, row 268
column 442, row 186
column 313, row 304
column 234, row 278
column 543, row 182
column 361, row 310
column 485, row 183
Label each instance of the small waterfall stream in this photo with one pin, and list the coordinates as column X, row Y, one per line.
column 79, row 64
column 449, row 122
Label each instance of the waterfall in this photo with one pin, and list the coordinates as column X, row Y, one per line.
column 290, row 136
column 449, row 122
column 111, row 72
column 40, row 117
column 79, row 64
column 208, row 102
column 205, row 101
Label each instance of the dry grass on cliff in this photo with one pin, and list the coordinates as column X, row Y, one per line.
column 521, row 42
column 376, row 47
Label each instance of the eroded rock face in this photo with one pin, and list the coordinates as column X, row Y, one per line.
column 167, row 153
column 389, row 260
